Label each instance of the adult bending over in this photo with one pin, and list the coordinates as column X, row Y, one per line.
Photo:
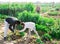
column 10, row 23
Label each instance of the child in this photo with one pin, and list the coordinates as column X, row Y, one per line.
column 30, row 26
column 10, row 23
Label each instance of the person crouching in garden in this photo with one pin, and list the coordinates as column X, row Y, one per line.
column 10, row 23
column 30, row 26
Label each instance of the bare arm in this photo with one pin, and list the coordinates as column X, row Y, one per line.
column 10, row 27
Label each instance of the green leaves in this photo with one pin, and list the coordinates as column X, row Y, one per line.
column 55, row 34
column 39, row 41
column 42, row 23
column 46, row 37
column 12, row 9
column 29, row 7
column 53, row 13
column 3, row 16
column 22, row 34
column 28, row 16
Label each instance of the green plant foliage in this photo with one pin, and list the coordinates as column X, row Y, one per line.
column 19, row 27
column 26, row 13
column 3, row 16
column 14, row 8
column 43, row 24
column 55, row 30
column 53, row 13
column 55, row 34
column 28, row 16
column 42, row 28
column 21, row 34
column 29, row 7
column 46, row 37
column 39, row 41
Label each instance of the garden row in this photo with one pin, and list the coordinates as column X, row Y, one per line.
column 48, row 28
